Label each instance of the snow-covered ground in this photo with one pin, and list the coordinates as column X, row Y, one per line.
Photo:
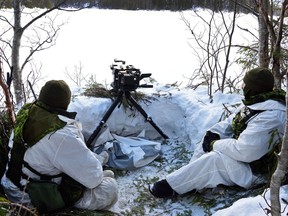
column 184, row 115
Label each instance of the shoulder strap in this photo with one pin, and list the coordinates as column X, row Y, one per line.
column 241, row 120
column 42, row 176
column 252, row 113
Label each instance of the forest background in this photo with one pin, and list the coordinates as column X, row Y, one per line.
column 173, row 5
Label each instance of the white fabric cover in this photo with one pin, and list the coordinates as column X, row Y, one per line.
column 127, row 153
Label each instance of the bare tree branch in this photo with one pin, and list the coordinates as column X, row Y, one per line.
column 8, row 101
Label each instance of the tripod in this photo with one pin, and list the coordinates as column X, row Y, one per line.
column 117, row 101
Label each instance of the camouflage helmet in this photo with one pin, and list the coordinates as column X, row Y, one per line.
column 258, row 80
column 55, row 94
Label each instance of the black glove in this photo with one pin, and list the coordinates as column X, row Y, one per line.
column 208, row 141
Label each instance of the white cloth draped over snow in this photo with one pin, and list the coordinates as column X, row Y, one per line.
column 127, row 153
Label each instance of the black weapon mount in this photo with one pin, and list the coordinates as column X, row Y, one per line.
column 126, row 79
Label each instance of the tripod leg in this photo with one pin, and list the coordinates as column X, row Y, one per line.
column 142, row 111
column 104, row 119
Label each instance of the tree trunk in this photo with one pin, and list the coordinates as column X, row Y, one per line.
column 16, row 70
column 263, row 38
column 277, row 49
column 276, row 35
column 280, row 171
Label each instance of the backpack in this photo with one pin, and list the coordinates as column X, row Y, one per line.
column 3, row 161
column 5, row 129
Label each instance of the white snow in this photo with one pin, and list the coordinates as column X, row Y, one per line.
column 183, row 115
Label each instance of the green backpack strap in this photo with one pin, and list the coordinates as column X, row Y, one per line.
column 42, row 176
column 241, row 119
column 14, row 171
column 5, row 130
